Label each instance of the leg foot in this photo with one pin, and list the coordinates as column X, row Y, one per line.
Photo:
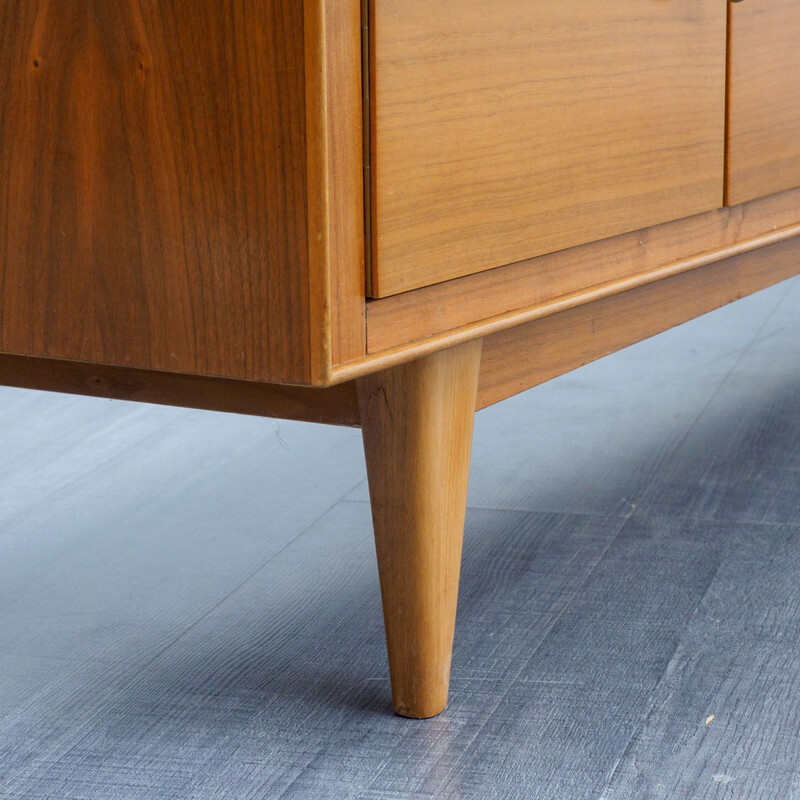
column 417, row 425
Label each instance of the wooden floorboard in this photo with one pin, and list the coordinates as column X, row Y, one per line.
column 189, row 603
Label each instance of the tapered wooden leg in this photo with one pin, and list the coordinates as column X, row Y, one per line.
column 417, row 425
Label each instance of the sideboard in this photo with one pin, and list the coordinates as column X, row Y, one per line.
column 386, row 214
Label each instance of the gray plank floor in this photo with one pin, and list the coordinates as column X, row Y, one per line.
column 189, row 604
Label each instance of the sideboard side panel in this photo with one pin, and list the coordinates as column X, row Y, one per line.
column 153, row 174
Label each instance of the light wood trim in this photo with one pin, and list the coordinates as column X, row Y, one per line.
column 417, row 425
column 334, row 406
column 519, row 289
column 528, row 355
column 764, row 99
column 400, row 355
column 335, row 177
column 505, row 130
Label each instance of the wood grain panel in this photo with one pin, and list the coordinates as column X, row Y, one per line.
column 530, row 354
column 335, row 134
column 764, row 108
column 153, row 186
column 435, row 310
column 337, row 405
column 505, row 130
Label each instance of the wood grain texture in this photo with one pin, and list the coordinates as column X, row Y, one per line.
column 435, row 310
column 417, row 427
column 764, row 99
column 334, row 406
column 153, row 187
column 502, row 131
column 528, row 355
column 730, row 659
column 335, row 176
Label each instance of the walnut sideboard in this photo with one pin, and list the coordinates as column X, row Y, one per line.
column 385, row 214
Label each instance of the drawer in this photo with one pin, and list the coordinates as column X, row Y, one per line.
column 506, row 129
column 764, row 122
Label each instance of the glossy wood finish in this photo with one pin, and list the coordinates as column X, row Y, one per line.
column 166, row 181
column 518, row 290
column 334, row 406
column 335, row 175
column 417, row 427
column 764, row 99
column 502, row 131
column 528, row 355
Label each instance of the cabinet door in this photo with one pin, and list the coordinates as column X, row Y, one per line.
column 764, row 115
column 505, row 129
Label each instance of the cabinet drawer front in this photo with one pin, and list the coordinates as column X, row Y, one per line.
column 764, row 122
column 505, row 129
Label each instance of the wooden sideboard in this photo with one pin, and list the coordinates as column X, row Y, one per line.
column 385, row 214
